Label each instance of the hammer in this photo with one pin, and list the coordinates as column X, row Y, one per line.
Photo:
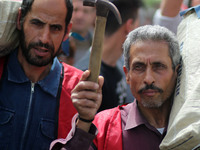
column 102, row 10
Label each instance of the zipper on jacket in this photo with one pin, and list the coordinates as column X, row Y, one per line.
column 27, row 116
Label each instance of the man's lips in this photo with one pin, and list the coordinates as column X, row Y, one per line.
column 149, row 92
column 41, row 51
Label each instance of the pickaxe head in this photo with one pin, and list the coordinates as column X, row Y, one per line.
column 103, row 7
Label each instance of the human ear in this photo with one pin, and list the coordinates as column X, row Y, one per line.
column 177, row 69
column 19, row 18
column 69, row 27
column 126, row 71
column 131, row 25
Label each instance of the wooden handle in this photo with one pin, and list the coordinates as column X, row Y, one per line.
column 96, row 52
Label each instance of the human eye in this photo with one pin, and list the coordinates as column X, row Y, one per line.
column 56, row 27
column 159, row 66
column 138, row 67
column 36, row 22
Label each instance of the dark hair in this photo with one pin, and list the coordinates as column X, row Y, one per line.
column 26, row 7
column 127, row 8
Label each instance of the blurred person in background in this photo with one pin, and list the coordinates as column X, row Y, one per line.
column 168, row 13
column 115, row 89
column 67, row 52
column 83, row 19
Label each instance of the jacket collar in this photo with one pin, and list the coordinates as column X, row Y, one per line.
column 49, row 84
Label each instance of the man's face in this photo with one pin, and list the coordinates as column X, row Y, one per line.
column 43, row 31
column 151, row 77
column 82, row 17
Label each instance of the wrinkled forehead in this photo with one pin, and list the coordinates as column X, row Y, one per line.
column 149, row 49
column 50, row 9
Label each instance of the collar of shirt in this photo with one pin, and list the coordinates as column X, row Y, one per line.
column 195, row 8
column 49, row 84
column 134, row 117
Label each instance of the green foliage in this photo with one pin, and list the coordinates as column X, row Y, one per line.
column 151, row 3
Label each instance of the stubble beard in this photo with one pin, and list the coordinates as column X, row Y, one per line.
column 38, row 61
column 156, row 102
column 153, row 103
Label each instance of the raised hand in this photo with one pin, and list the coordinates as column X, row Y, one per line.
column 86, row 98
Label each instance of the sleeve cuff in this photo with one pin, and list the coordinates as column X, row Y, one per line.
column 76, row 138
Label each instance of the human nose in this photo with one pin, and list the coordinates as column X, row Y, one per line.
column 45, row 35
column 149, row 77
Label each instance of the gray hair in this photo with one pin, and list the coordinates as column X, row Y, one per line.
column 152, row 33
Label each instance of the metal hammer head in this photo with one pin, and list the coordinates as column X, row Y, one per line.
column 103, row 7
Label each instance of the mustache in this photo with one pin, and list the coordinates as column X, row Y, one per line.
column 43, row 45
column 152, row 87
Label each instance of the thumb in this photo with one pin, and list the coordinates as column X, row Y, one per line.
column 85, row 75
column 100, row 81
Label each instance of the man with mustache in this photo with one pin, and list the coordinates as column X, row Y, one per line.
column 35, row 88
column 151, row 61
